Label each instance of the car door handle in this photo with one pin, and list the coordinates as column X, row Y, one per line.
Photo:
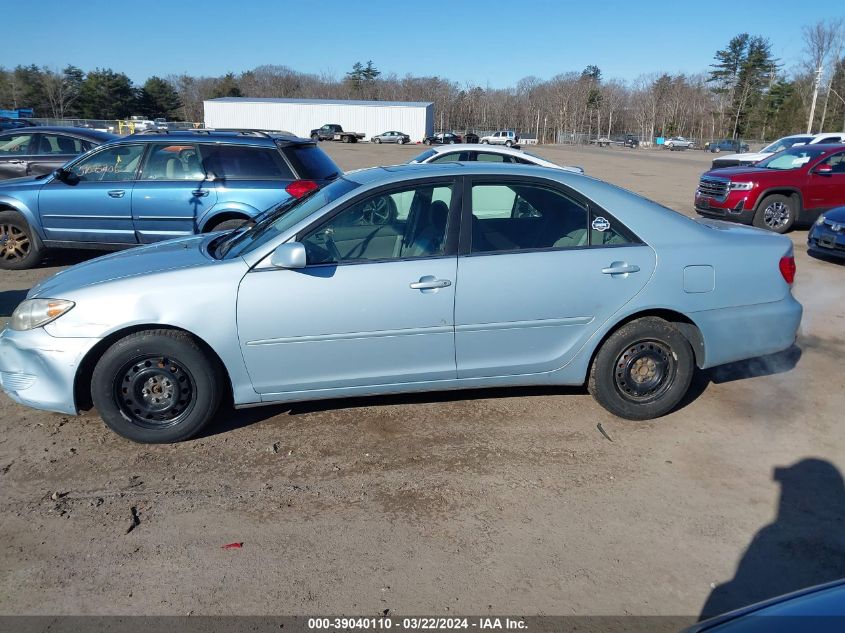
column 199, row 193
column 17, row 162
column 117, row 193
column 429, row 283
column 620, row 268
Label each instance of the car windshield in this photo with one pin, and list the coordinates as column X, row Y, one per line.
column 273, row 223
column 420, row 158
column 792, row 158
column 786, row 143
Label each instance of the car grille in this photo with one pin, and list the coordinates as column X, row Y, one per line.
column 836, row 227
column 713, row 187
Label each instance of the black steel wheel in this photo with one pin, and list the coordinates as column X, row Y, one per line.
column 157, row 386
column 642, row 370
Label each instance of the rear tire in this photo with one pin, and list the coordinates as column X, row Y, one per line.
column 157, row 386
column 426, row 142
column 776, row 213
column 643, row 370
column 227, row 225
column 315, row 138
column 508, row 144
column 20, row 246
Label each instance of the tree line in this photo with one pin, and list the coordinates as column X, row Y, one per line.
column 746, row 93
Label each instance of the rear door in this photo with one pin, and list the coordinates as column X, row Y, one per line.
column 247, row 178
column 171, row 192
column 52, row 150
column 541, row 270
column 95, row 203
column 16, row 152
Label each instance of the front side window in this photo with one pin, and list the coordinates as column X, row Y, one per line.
column 115, row 163
column 169, row 161
column 243, row 162
column 15, row 145
column 836, row 163
column 517, row 217
column 58, row 144
column 403, row 224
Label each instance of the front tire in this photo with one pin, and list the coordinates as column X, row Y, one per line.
column 20, row 247
column 377, row 141
column 484, row 141
column 157, row 386
column 643, row 370
column 776, row 213
column 315, row 138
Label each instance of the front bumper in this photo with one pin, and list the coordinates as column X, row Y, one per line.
column 823, row 240
column 736, row 207
column 38, row 370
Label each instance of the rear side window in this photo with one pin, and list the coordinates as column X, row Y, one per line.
column 450, row 157
column 490, row 157
column 15, row 144
column 169, row 161
column 830, row 139
column 243, row 162
column 59, row 144
column 311, row 163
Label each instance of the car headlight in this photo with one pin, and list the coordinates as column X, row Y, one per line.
column 742, row 186
column 34, row 313
column 820, row 219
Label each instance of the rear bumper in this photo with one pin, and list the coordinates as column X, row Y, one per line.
column 733, row 334
column 38, row 370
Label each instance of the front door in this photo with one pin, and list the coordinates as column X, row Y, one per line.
column 373, row 306
column 542, row 271
column 824, row 191
column 171, row 193
column 94, row 202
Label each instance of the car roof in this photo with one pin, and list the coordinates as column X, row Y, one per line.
column 462, row 147
column 238, row 137
column 70, row 130
column 821, row 135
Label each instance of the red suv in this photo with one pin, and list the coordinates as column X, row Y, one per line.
column 793, row 185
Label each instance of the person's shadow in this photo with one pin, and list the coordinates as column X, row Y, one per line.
column 804, row 546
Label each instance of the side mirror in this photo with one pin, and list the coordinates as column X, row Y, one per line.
column 60, row 174
column 290, row 255
column 63, row 175
column 210, row 176
column 824, row 170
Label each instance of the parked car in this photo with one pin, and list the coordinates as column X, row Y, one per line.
column 443, row 138
column 161, row 124
column 391, row 137
column 601, row 141
column 827, row 235
column 728, row 145
column 471, row 137
column 739, row 160
column 794, row 185
column 504, row 137
column 678, row 143
column 8, row 123
column 492, row 154
column 631, row 141
column 151, row 187
column 33, row 151
column 818, row 609
column 355, row 289
column 335, row 132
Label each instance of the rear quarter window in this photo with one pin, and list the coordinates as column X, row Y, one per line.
column 311, row 163
column 244, row 162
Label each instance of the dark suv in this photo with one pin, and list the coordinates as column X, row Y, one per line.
column 150, row 187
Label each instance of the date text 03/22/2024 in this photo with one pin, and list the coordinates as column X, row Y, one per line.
column 418, row 623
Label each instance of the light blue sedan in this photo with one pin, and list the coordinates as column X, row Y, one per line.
column 401, row 279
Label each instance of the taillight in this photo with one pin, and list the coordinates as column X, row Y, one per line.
column 299, row 188
column 787, row 268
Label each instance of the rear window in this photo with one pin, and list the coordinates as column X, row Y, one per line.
column 243, row 162
column 311, row 162
column 424, row 156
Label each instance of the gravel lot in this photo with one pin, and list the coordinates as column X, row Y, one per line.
column 507, row 501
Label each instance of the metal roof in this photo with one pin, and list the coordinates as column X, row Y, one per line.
column 409, row 104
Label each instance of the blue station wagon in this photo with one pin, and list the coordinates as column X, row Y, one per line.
column 151, row 187
column 401, row 279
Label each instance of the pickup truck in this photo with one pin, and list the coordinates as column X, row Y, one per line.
column 334, row 132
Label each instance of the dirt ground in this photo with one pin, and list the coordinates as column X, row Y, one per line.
column 503, row 501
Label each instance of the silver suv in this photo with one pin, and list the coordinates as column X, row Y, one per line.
column 505, row 137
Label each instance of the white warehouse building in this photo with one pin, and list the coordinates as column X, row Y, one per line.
column 300, row 116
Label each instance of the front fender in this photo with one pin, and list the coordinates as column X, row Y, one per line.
column 29, row 210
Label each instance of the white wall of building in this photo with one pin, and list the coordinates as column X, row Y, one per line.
column 300, row 117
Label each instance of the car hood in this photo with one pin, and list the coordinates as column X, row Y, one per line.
column 836, row 215
column 746, row 157
column 738, row 173
column 164, row 256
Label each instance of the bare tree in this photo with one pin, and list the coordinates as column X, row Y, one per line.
column 818, row 42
